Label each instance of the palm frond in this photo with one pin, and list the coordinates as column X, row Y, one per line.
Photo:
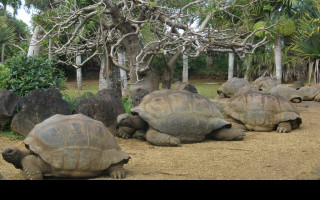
column 7, row 33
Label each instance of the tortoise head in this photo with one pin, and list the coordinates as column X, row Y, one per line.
column 13, row 155
column 123, row 120
column 130, row 120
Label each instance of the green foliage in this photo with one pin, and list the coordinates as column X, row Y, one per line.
column 7, row 33
column 6, row 132
column 29, row 73
column 258, row 25
column 285, row 26
column 11, row 135
column 127, row 103
column 4, row 74
column 306, row 42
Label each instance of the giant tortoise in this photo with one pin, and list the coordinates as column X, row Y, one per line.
column 287, row 92
column 68, row 146
column 265, row 83
column 230, row 87
column 310, row 93
column 263, row 111
column 172, row 117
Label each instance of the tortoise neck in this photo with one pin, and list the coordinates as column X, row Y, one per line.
column 22, row 154
column 138, row 122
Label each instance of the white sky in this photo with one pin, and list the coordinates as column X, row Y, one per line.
column 22, row 14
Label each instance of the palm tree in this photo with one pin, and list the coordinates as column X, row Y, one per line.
column 15, row 4
column 284, row 28
column 7, row 34
column 307, row 40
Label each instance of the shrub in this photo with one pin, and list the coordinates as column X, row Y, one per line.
column 4, row 74
column 28, row 73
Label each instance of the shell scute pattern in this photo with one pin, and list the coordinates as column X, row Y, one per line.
column 261, row 109
column 66, row 143
column 182, row 113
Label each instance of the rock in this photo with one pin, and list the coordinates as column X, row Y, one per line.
column 178, row 85
column 37, row 106
column 137, row 98
column 9, row 104
column 105, row 106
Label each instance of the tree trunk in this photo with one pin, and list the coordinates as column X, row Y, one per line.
column 109, row 76
column 210, row 60
column 123, row 74
column 79, row 73
column 34, row 46
column 102, row 75
column 230, row 67
column 238, row 68
column 311, row 63
column 149, row 80
column 247, row 65
column 169, row 69
column 49, row 49
column 277, row 57
column 2, row 52
column 185, row 69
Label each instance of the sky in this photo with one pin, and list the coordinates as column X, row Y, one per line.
column 22, row 14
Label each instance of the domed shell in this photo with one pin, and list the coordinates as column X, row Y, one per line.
column 230, row 87
column 287, row 92
column 261, row 109
column 308, row 92
column 180, row 113
column 265, row 83
column 75, row 142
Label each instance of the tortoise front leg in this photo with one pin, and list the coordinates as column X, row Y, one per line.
column 284, row 127
column 125, row 132
column 161, row 139
column 31, row 168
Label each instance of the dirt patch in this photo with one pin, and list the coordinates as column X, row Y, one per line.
column 260, row 156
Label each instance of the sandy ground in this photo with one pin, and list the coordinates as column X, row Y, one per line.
column 260, row 156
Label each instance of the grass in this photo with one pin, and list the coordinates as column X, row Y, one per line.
column 11, row 135
column 73, row 92
column 207, row 90
column 204, row 89
column 6, row 132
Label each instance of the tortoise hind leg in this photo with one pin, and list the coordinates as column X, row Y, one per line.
column 161, row 139
column 284, row 127
column 228, row 134
column 116, row 171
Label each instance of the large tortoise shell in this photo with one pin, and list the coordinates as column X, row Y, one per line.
column 308, row 93
column 75, row 142
column 287, row 92
column 230, row 87
column 180, row 113
column 261, row 109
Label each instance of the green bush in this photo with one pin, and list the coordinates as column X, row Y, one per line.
column 4, row 74
column 28, row 73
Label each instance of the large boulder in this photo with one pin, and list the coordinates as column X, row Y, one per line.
column 105, row 106
column 10, row 102
column 178, row 85
column 37, row 106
